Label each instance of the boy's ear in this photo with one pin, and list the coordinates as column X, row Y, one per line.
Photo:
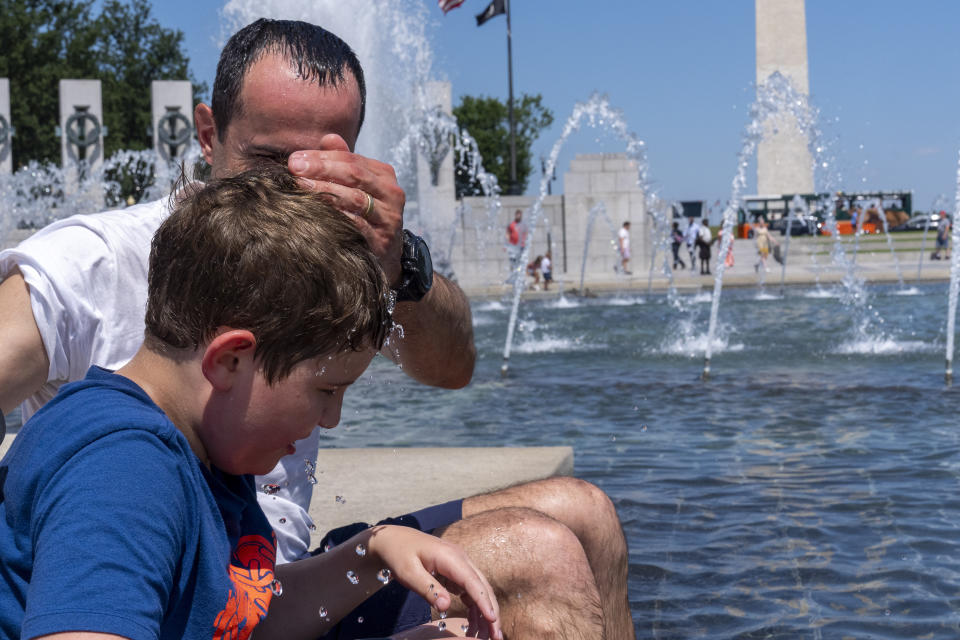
column 227, row 356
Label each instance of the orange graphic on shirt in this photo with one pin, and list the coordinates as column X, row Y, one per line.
column 251, row 575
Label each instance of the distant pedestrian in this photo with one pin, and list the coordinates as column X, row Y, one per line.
column 623, row 242
column 690, row 236
column 676, row 239
column 943, row 238
column 704, row 240
column 533, row 270
column 764, row 242
column 728, row 260
column 546, row 268
column 516, row 240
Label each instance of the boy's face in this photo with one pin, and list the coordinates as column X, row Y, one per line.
column 268, row 419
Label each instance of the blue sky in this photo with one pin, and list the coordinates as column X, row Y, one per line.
column 884, row 74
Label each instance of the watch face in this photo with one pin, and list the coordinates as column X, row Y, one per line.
column 417, row 268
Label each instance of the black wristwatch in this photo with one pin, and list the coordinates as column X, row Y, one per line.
column 417, row 275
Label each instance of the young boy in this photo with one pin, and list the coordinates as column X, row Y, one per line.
column 125, row 505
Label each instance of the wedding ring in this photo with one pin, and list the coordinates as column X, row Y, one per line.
column 369, row 209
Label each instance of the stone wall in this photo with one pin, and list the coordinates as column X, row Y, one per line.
column 479, row 257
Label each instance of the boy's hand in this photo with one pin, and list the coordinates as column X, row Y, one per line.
column 364, row 189
column 432, row 568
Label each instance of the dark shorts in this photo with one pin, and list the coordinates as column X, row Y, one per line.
column 548, row 276
column 394, row 608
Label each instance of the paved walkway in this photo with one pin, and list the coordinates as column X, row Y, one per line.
column 809, row 262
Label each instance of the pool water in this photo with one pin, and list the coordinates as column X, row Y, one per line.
column 808, row 490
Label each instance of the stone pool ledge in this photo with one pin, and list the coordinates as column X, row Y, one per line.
column 375, row 483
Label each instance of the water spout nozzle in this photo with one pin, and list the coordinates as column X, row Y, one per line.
column 706, row 370
column 948, row 374
column 504, row 368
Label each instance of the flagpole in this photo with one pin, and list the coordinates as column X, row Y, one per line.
column 513, row 124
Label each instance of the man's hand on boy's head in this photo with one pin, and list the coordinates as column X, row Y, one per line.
column 434, row 568
column 364, row 189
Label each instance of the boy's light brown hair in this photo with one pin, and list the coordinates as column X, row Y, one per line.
column 257, row 252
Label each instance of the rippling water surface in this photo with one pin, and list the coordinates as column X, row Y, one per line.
column 809, row 490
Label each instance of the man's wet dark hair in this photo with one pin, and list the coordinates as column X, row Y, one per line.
column 316, row 54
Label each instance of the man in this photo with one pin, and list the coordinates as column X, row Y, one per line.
column 690, row 235
column 704, row 241
column 292, row 92
column 623, row 244
column 516, row 241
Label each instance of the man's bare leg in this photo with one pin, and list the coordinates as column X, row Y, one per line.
column 587, row 511
column 538, row 569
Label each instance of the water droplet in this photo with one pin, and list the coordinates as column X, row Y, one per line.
column 887, row 612
column 464, row 627
column 323, row 612
column 441, row 625
column 443, row 615
column 360, row 619
column 643, row 427
column 352, row 577
column 361, row 550
column 312, row 479
column 269, row 489
column 277, row 588
column 340, row 500
column 613, row 438
column 383, row 575
column 312, row 527
column 327, row 546
column 283, row 521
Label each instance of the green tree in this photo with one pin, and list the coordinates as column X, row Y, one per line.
column 488, row 122
column 45, row 41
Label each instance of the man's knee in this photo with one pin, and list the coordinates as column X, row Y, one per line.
column 538, row 569
column 521, row 548
column 576, row 503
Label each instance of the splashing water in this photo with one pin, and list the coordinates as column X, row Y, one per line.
column 597, row 112
column 352, row 577
column 777, row 96
column 886, row 230
column 360, row 550
column 309, row 467
column 384, row 575
column 954, row 282
column 599, row 209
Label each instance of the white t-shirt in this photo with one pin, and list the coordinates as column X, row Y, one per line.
column 545, row 265
column 88, row 289
column 705, row 235
column 624, row 236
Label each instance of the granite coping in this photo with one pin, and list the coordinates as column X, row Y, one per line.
column 369, row 484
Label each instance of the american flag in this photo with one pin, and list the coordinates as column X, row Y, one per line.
column 446, row 5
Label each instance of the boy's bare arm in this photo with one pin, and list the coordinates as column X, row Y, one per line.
column 339, row 580
column 23, row 360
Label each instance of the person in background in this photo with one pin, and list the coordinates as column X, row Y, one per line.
column 676, row 239
column 690, row 235
column 546, row 267
column 623, row 244
column 704, row 240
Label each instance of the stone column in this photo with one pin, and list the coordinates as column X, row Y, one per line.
column 436, row 192
column 6, row 128
column 171, row 118
column 81, row 116
column 784, row 164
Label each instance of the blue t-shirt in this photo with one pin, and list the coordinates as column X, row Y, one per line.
column 110, row 523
